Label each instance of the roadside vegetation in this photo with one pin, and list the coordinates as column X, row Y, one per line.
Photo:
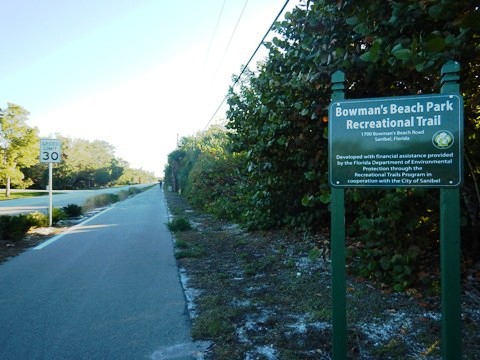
column 13, row 228
column 266, row 169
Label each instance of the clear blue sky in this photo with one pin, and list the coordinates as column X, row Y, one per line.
column 133, row 73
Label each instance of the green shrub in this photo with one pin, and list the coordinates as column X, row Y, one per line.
column 72, row 210
column 179, row 224
column 58, row 215
column 14, row 227
column 38, row 219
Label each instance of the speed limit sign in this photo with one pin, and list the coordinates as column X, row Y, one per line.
column 50, row 151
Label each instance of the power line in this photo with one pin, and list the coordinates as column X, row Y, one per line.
column 231, row 37
column 214, row 32
column 248, row 62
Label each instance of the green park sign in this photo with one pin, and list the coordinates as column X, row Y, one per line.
column 411, row 141
column 406, row 141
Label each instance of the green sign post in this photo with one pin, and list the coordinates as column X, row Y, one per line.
column 339, row 300
column 411, row 141
column 450, row 245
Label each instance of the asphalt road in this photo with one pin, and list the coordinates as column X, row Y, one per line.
column 59, row 199
column 108, row 289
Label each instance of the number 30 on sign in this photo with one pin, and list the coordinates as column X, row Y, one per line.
column 50, row 151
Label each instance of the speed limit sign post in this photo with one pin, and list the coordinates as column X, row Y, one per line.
column 50, row 152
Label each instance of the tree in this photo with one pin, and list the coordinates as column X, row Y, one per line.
column 87, row 164
column 18, row 146
column 135, row 176
column 210, row 175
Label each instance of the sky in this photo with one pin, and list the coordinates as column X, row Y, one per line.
column 137, row 74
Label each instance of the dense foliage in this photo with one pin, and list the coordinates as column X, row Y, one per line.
column 209, row 174
column 278, row 121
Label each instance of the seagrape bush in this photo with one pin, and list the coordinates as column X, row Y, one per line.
column 215, row 184
column 278, row 126
column 278, row 115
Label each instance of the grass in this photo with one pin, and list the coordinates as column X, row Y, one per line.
column 216, row 321
column 25, row 194
column 186, row 246
column 193, row 252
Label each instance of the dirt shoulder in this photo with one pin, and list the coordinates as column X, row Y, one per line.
column 37, row 235
column 266, row 295
column 10, row 249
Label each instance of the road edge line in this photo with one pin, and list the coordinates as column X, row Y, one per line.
column 66, row 232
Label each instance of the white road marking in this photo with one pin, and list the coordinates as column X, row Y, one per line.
column 59, row 236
